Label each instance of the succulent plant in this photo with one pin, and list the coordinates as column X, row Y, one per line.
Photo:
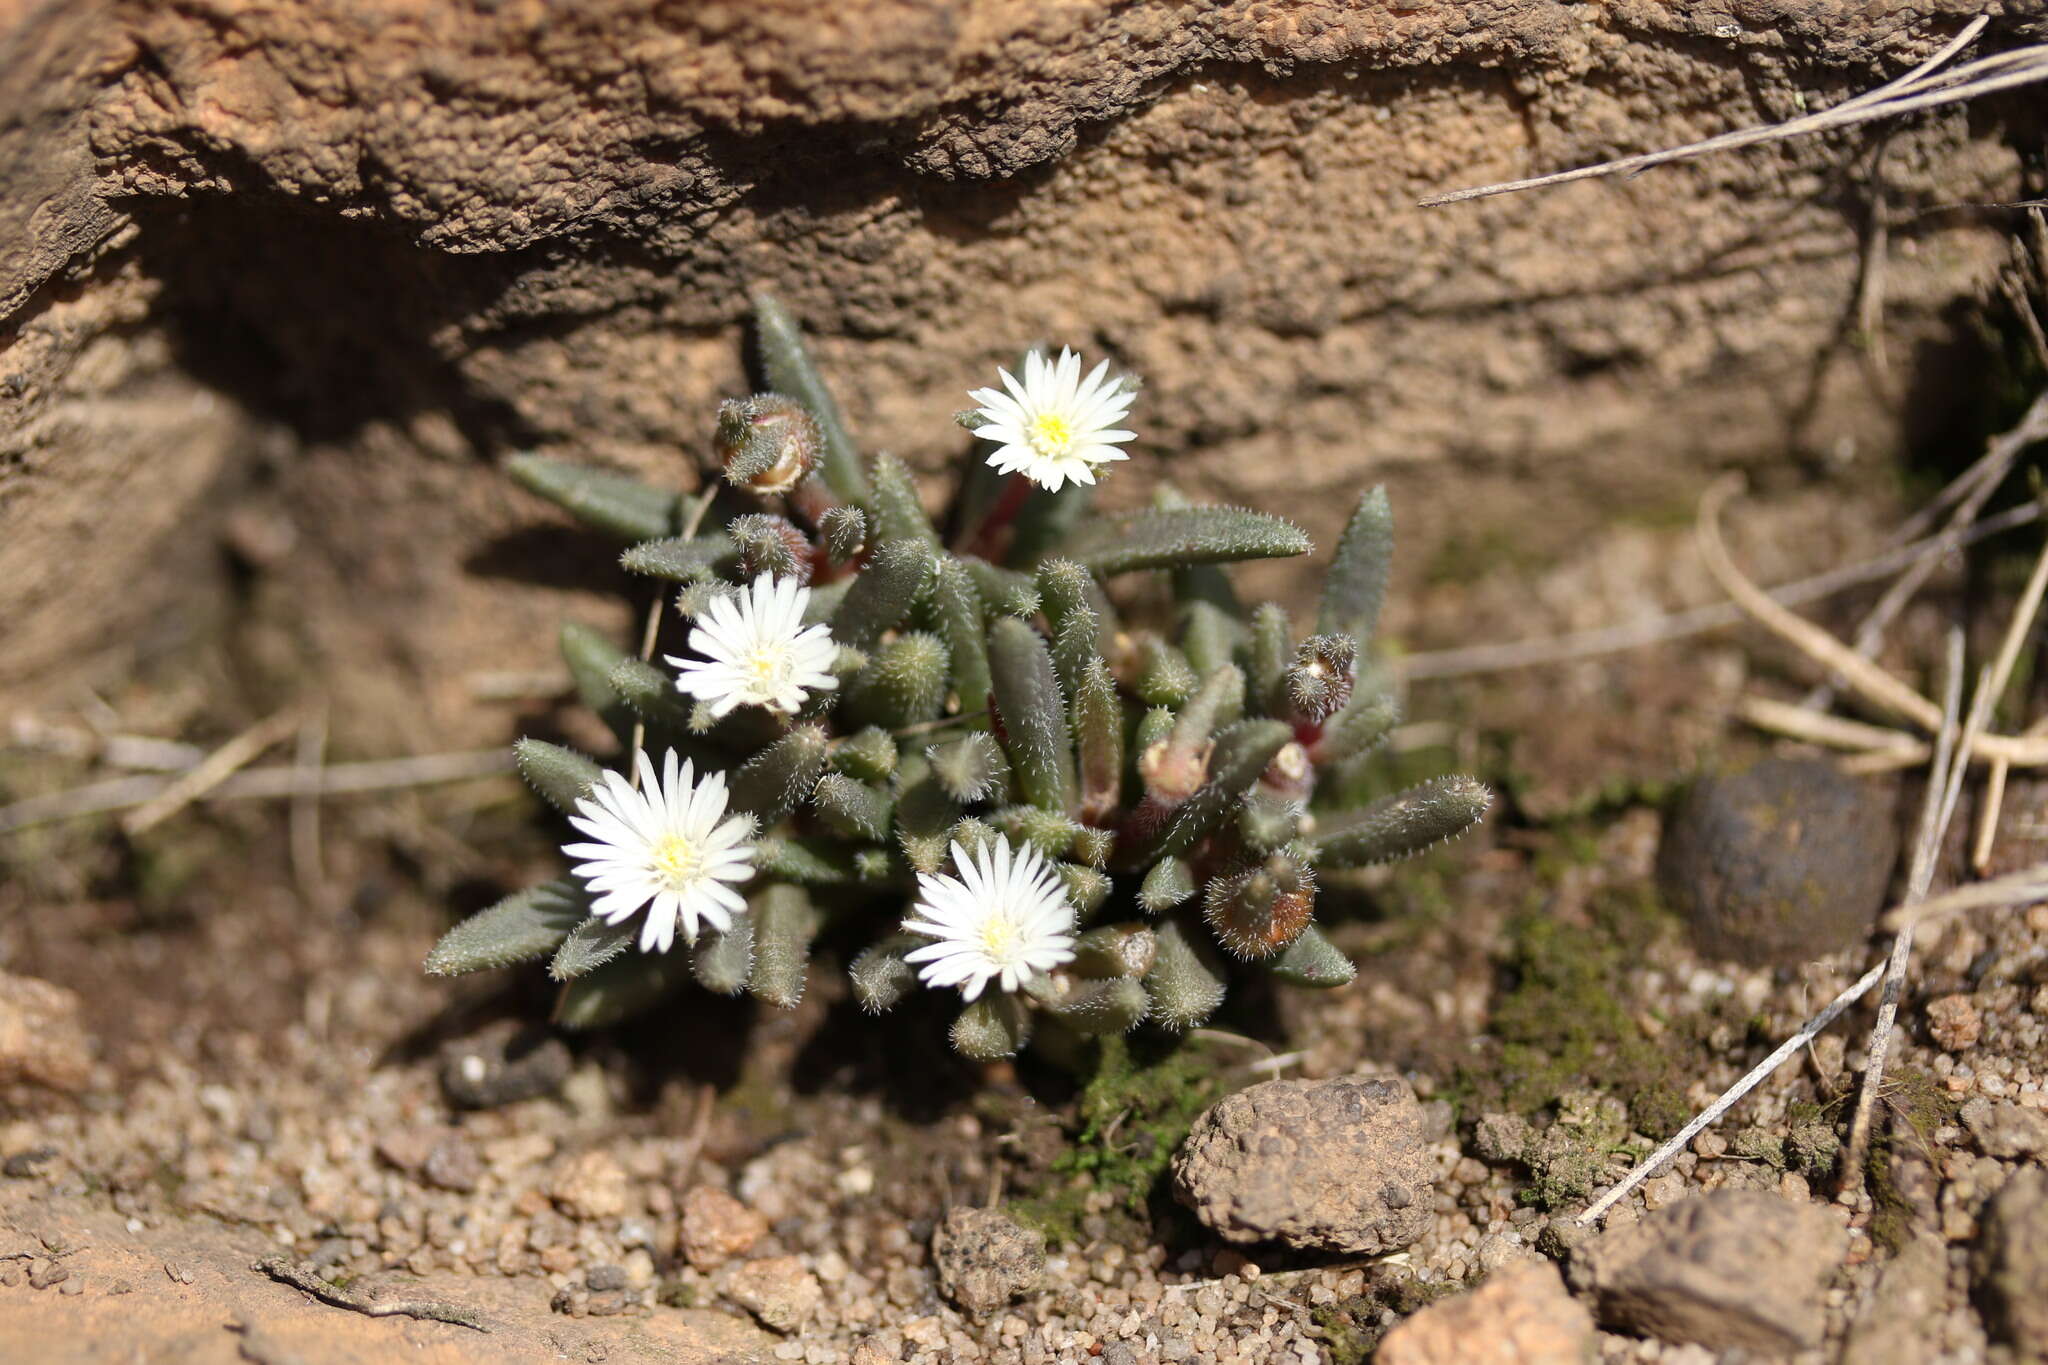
column 869, row 699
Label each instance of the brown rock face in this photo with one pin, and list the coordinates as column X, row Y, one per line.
column 317, row 263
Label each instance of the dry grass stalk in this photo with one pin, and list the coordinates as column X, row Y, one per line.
column 1924, row 87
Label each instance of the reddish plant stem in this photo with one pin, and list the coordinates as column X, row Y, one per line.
column 988, row 541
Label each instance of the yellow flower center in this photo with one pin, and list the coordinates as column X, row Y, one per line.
column 1052, row 435
column 769, row 669
column 999, row 938
column 678, row 861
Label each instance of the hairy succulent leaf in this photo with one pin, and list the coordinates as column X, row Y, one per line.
column 899, row 513
column 1032, row 713
column 620, row 989
column 1186, row 981
column 1157, row 539
column 769, row 784
column 673, row 557
column 651, row 694
column 962, row 622
column 881, row 976
column 992, row 1028
column 904, row 683
column 785, row 922
column 1169, row 882
column 1313, row 960
column 1116, row 1005
column 616, row 504
column 525, row 925
column 561, row 775
column 844, row 531
column 590, row 945
column 723, row 960
column 1402, row 824
column 854, row 809
column 1357, row 582
column 878, row 600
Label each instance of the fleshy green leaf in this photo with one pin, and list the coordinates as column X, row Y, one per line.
column 1116, row 1005
column 899, row 513
column 1357, row 582
column 1359, row 728
column 1125, row 949
column 1032, row 713
column 613, row 503
column 879, row 599
column 867, row 755
column 811, row 862
column 844, row 531
column 854, row 809
column 1098, row 742
column 881, row 977
column 1241, row 754
column 724, row 959
column 992, row 1028
column 651, row 693
column 785, row 922
column 903, row 684
column 1169, row 883
column 561, row 775
column 1156, row 539
column 621, row 988
column 675, row 558
column 590, row 945
column 1186, row 981
column 1402, row 824
column 591, row 656
column 769, row 784
column 1312, row 960
column 962, row 621
column 523, row 926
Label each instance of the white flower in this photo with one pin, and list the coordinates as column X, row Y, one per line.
column 1055, row 426
column 757, row 650
column 664, row 847
column 1005, row 916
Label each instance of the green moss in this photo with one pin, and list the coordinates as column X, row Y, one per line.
column 1570, row 1044
column 1351, row 1327
column 1132, row 1114
column 1350, row 1341
column 1564, row 1019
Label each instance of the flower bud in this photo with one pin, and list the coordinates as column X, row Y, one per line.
column 766, row 443
column 1258, row 912
column 1319, row 682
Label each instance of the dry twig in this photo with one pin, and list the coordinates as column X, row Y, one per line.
column 337, row 779
column 1559, row 649
column 1924, row 87
column 217, row 767
column 432, row 1310
column 1944, row 781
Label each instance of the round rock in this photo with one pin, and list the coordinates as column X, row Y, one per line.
column 984, row 1259
column 1338, row 1165
column 1780, row 863
column 502, row 1064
